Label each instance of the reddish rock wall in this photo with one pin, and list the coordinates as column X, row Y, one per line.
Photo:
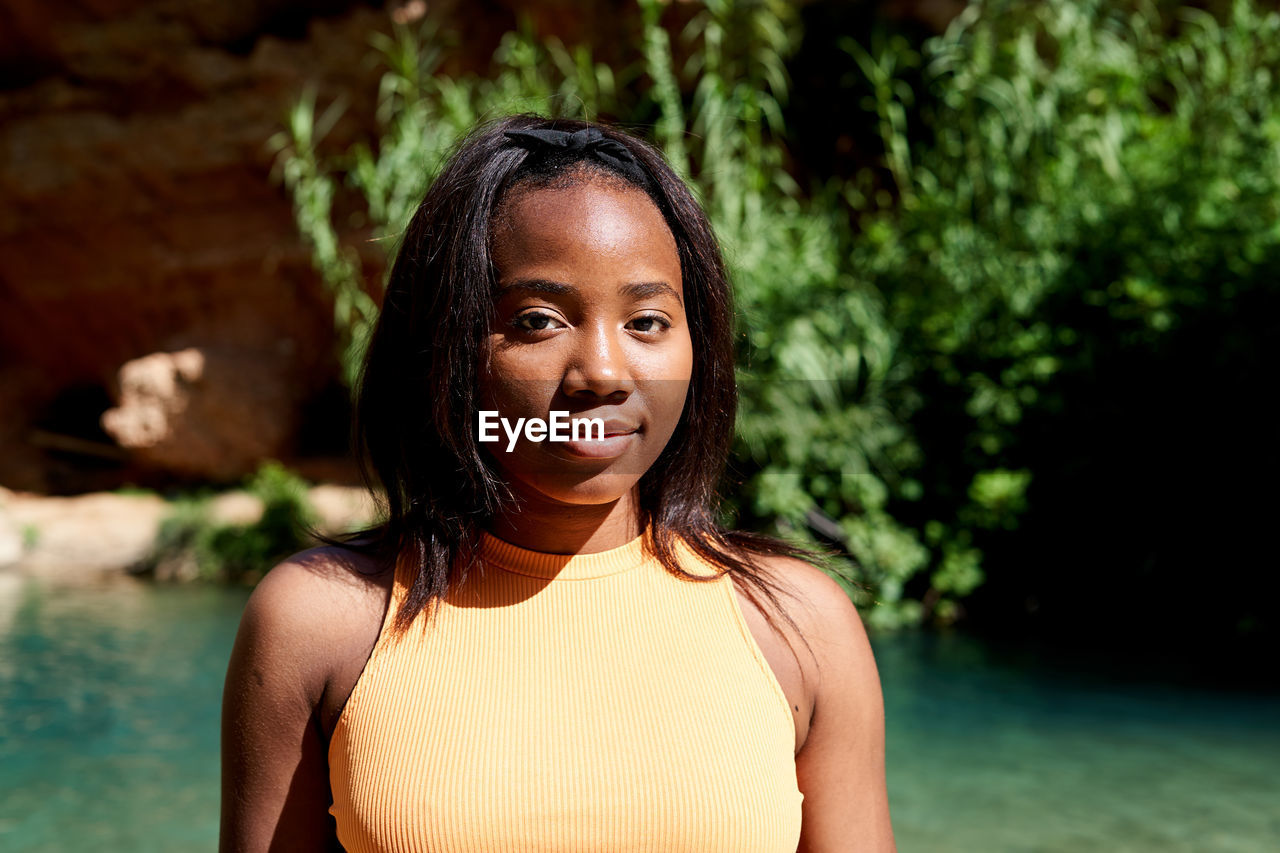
column 137, row 214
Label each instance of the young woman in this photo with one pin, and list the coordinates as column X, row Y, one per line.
column 550, row 644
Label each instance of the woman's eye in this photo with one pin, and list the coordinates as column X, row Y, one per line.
column 535, row 321
column 650, row 323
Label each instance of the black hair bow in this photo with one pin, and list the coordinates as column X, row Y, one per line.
column 590, row 141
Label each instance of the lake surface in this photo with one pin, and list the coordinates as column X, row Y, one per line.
column 110, row 700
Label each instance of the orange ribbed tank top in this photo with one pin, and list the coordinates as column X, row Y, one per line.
column 568, row 703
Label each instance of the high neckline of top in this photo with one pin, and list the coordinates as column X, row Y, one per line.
column 538, row 564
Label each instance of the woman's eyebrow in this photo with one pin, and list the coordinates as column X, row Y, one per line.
column 538, row 285
column 647, row 289
column 637, row 290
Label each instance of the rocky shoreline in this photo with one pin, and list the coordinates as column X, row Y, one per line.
column 98, row 536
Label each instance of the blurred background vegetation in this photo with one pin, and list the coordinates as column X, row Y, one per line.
column 1009, row 355
column 1007, row 287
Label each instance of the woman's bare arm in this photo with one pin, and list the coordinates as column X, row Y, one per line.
column 275, row 786
column 841, row 767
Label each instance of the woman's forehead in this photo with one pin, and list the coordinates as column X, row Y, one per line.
column 591, row 221
column 570, row 191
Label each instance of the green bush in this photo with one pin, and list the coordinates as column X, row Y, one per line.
column 1065, row 187
column 236, row 553
column 1084, row 218
column 815, row 434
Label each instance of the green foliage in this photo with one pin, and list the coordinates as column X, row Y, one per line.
column 237, row 553
column 313, row 191
column 815, row 432
column 1075, row 183
column 1054, row 195
column 244, row 552
column 421, row 117
column 180, row 534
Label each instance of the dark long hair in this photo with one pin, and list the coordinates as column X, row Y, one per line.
column 414, row 420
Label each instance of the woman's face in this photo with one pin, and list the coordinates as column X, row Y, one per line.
column 589, row 319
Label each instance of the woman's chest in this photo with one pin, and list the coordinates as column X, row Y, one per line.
column 355, row 651
column 581, row 728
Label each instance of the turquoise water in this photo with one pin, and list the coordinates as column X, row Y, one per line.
column 989, row 749
column 109, row 709
column 109, row 705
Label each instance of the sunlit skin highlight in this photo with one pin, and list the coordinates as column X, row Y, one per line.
column 589, row 318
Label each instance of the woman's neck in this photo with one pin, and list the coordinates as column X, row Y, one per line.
column 557, row 528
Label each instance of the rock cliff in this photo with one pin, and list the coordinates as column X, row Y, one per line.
column 137, row 217
column 140, row 230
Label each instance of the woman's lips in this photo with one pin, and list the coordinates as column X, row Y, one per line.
column 613, row 444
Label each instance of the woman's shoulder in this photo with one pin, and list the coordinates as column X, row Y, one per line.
column 318, row 584
column 824, row 614
column 313, row 614
column 814, row 600
column 301, row 633
column 810, row 586
column 842, row 664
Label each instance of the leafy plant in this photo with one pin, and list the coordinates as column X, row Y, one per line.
column 1084, row 193
column 816, row 435
column 191, row 543
column 1075, row 201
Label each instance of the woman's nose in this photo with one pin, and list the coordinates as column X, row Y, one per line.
column 598, row 367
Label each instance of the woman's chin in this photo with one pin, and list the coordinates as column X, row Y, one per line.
column 601, row 489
